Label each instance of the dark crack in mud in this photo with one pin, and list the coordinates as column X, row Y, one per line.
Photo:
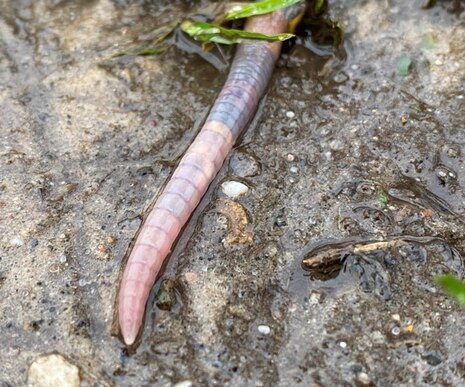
column 347, row 161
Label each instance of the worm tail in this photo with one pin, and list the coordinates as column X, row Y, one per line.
column 233, row 109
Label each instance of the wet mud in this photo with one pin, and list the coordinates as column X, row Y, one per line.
column 321, row 274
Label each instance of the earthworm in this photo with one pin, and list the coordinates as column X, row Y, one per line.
column 234, row 107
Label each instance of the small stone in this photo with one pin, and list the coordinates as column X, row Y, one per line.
column 343, row 344
column 281, row 221
column 377, row 337
column 217, row 364
column 290, row 157
column 315, row 298
column 396, row 331
column 340, row 77
column 433, row 358
column 395, row 317
column 82, row 282
column 336, row 144
column 234, row 189
column 191, row 277
column 33, row 244
column 16, row 242
column 363, row 379
column 53, row 371
column 184, row 383
column 293, row 169
column 264, row 329
column 290, row 114
column 408, row 328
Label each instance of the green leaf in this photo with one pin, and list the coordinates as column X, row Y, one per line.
column 206, row 32
column 258, row 8
column 428, row 42
column 453, row 286
column 383, row 199
column 403, row 66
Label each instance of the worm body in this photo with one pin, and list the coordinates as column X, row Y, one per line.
column 233, row 109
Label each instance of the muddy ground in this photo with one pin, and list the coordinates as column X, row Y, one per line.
column 344, row 152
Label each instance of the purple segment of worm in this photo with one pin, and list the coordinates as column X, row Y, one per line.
column 235, row 106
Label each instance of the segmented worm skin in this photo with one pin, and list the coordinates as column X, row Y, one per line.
column 235, row 106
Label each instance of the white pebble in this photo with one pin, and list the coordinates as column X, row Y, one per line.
column 53, row 371
column 16, row 242
column 234, row 189
column 343, row 344
column 315, row 298
column 82, row 282
column 264, row 329
column 294, row 169
column 336, row 145
column 184, row 383
column 290, row 114
column 363, row 379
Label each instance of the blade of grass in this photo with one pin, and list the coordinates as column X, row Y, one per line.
column 142, row 51
column 453, row 286
column 258, row 8
column 157, row 43
column 161, row 33
column 206, row 32
column 319, row 5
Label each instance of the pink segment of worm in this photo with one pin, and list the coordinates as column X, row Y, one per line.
column 232, row 110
